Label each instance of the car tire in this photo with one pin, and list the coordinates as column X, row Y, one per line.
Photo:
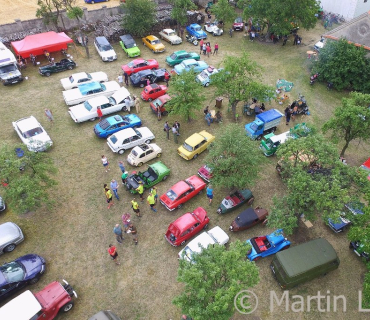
column 124, row 109
column 150, row 99
column 286, row 247
column 200, row 192
column 165, row 113
column 47, row 74
column 9, row 247
column 33, row 281
column 179, row 206
column 182, row 243
column 139, row 164
column 159, row 155
column 121, row 151
column 256, row 258
column 206, row 226
column 141, row 85
column 165, row 178
column 195, row 156
column 92, row 2
column 147, row 141
column 74, row 88
column 92, row 119
column 67, row 307
column 206, row 84
column 350, row 245
column 69, row 67
column 250, row 201
column 153, row 51
column 144, row 44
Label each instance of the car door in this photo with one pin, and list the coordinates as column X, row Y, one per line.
column 202, row 146
column 152, row 78
column 111, row 129
column 134, row 140
column 106, row 108
column 189, row 194
column 150, row 154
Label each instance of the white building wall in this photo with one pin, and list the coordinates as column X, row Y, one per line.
column 362, row 7
column 349, row 9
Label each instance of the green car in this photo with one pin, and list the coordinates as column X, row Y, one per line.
column 128, row 45
column 64, row 64
column 156, row 173
column 235, row 200
column 179, row 56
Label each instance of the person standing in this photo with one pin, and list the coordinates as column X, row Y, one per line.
column 118, row 232
column 109, row 196
column 167, row 129
column 210, row 193
column 49, row 115
column 112, row 250
column 159, row 113
column 208, row 118
column 124, row 177
column 121, row 166
column 285, row 39
column 177, row 125
column 126, row 220
column 120, row 80
column 114, row 186
column 105, row 162
column 137, row 104
column 166, row 78
column 287, row 115
column 135, row 207
column 216, row 49
column 201, row 42
column 175, row 133
column 100, row 113
column 126, row 78
column 206, row 110
column 151, row 202
column 208, row 49
column 185, row 317
column 132, row 229
column 153, row 190
column 140, row 190
column 204, row 49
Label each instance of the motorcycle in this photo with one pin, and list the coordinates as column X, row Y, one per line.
column 313, row 78
column 191, row 39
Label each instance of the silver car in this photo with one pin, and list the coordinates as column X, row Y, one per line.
column 10, row 236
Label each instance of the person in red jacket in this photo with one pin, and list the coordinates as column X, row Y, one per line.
column 100, row 113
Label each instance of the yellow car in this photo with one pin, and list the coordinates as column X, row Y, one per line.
column 195, row 144
column 154, row 44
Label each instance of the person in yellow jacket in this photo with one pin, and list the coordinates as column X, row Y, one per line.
column 140, row 190
column 153, row 190
column 151, row 202
column 135, row 207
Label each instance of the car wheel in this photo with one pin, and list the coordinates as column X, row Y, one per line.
column 47, row 74
column 69, row 67
column 92, row 119
column 153, row 51
column 159, row 155
column 124, row 109
column 147, row 141
column 350, row 245
column 182, row 243
column 139, row 164
column 150, row 99
column 143, row 43
column 121, row 151
column 165, row 113
column 195, row 156
column 179, row 206
column 67, row 307
column 141, row 85
column 34, row 280
column 92, row 2
column 74, row 87
column 206, row 84
column 259, row 137
column 256, row 258
column 250, row 201
column 206, row 226
column 164, row 178
column 200, row 192
column 9, row 247
column 286, row 247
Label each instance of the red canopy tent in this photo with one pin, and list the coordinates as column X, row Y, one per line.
column 37, row 43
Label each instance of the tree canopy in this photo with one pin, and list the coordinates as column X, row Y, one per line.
column 26, row 189
column 344, row 65
column 139, row 17
column 186, row 95
column 234, row 158
column 351, row 120
column 213, row 281
column 179, row 10
column 223, row 11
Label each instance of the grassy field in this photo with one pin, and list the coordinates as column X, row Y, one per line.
column 75, row 234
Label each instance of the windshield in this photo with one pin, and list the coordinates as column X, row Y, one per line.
column 157, row 103
column 156, row 42
column 89, row 75
column 197, row 28
column 8, row 68
column 238, row 20
column 103, row 87
column 104, row 124
column 134, row 153
column 204, row 74
column 171, row 195
column 130, row 64
column 33, row 132
column 187, row 147
column 113, row 139
column 107, row 47
column 173, row 56
column 135, row 76
column 13, row 272
column 187, row 252
column 71, row 79
column 130, row 45
column 87, row 106
column 254, row 127
column 172, row 33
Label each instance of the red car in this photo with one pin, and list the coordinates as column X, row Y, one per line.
column 205, row 173
column 153, row 91
column 160, row 103
column 181, row 192
column 140, row 64
column 186, row 226
column 238, row 24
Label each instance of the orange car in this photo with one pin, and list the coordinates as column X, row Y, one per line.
column 154, row 44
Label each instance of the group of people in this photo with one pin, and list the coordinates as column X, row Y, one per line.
column 175, row 129
column 290, row 112
column 209, row 118
column 205, row 48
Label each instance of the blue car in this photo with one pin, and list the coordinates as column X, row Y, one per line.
column 353, row 208
column 17, row 274
column 116, row 123
column 94, row 1
column 196, row 30
column 190, row 64
column 267, row 245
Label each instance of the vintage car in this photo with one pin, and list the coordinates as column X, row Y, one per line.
column 351, row 209
column 2, row 204
column 238, row 24
column 115, row 123
column 267, row 245
column 170, row 36
column 190, row 64
column 88, row 109
column 17, row 274
column 140, row 79
column 104, row 49
column 366, row 166
column 235, row 200
column 62, row 65
column 181, row 192
column 154, row 44
column 88, row 91
column 129, row 138
column 195, row 145
column 139, row 64
column 143, row 153
column 32, row 134
column 204, row 78
column 214, row 236
column 10, row 236
column 196, row 31
column 128, row 45
column 212, row 27
column 95, row 1
column 153, row 91
column 179, row 56
column 248, row 218
column 205, row 173
column 81, row 78
column 187, row 226
column 160, row 103
column 155, row 173
column 358, row 248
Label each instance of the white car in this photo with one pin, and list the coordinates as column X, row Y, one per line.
column 104, row 48
column 129, row 138
column 212, row 27
column 319, row 45
column 83, row 77
column 90, row 90
column 88, row 110
column 32, row 134
column 170, row 36
column 143, row 153
column 213, row 236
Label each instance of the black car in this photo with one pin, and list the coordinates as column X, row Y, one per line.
column 64, row 64
column 140, row 79
column 2, row 204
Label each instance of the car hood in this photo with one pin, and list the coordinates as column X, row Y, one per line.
column 9, row 231
column 145, row 132
column 32, row 263
column 133, row 50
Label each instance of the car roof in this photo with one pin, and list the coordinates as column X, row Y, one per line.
column 204, row 239
column 127, row 38
column 114, row 119
column 151, row 37
column 143, row 72
column 102, row 40
column 128, row 132
column 97, row 101
column 194, row 25
column 246, row 217
column 189, row 61
column 185, row 221
column 152, row 86
column 89, row 86
column 194, row 139
column 79, row 75
column 169, row 30
column 22, row 307
column 28, row 123
column 180, row 187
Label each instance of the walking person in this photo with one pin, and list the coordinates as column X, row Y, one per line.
column 105, row 162
column 285, row 39
column 208, row 49
column 112, row 250
column 204, row 49
column 287, row 115
column 49, row 115
column 208, row 118
column 201, row 42
column 153, row 190
column 295, row 42
column 175, row 133
column 216, row 49
column 132, row 229
column 126, row 221
column 121, row 166
column 114, row 186
column 210, row 193
column 137, row 104
column 124, row 177
column 119, row 233
column 135, row 207
column 140, row 190
column 100, row 113
column 177, row 125
column 159, row 113
column 126, row 78
column 109, row 196
column 120, row 80
column 166, row 78
column 167, row 129
column 151, row 202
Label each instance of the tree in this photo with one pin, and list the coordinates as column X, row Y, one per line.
column 179, row 10
column 26, row 189
column 239, row 80
column 281, row 16
column 344, row 65
column 234, row 159
column 223, row 11
column 213, row 280
column 351, row 120
column 49, row 11
column 139, row 17
column 186, row 95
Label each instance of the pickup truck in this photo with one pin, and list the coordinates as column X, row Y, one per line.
column 264, row 123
